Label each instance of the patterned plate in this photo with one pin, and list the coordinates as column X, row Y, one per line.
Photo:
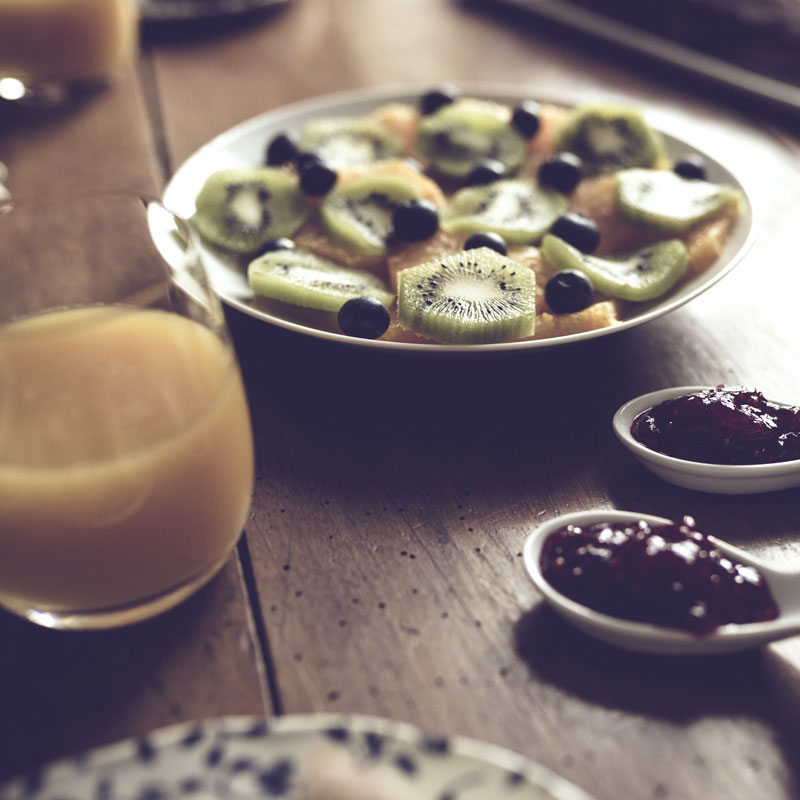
column 295, row 757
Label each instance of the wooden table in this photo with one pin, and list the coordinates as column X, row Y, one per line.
column 380, row 569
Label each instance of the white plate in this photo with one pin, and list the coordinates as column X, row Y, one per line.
column 241, row 758
column 244, row 144
column 715, row 478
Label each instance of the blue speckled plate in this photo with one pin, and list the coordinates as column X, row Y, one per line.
column 294, row 757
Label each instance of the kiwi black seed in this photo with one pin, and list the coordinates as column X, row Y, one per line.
column 359, row 213
column 609, row 138
column 350, row 141
column 304, row 279
column 241, row 209
column 643, row 274
column 516, row 209
column 461, row 135
column 473, row 297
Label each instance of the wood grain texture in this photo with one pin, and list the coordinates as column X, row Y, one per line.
column 62, row 693
column 394, row 494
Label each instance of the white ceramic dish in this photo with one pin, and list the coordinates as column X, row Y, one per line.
column 244, row 144
column 642, row 637
column 715, row 478
column 248, row 757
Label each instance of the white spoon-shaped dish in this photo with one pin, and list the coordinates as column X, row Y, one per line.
column 716, row 478
column 644, row 637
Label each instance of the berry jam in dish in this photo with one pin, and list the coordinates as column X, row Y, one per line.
column 670, row 575
column 721, row 426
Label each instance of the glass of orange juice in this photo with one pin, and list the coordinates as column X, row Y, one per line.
column 50, row 48
column 126, row 456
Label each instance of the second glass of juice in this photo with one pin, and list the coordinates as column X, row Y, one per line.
column 50, row 48
column 126, row 457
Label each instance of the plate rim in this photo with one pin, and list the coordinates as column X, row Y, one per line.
column 404, row 92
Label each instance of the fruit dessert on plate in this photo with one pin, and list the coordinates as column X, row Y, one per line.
column 467, row 221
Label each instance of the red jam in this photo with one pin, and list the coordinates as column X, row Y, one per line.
column 669, row 575
column 721, row 426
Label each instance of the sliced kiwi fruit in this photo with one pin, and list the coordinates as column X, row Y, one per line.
column 518, row 210
column 643, row 274
column 609, row 138
column 349, row 142
column 241, row 209
column 667, row 202
column 358, row 213
column 304, row 279
column 462, row 134
column 473, row 297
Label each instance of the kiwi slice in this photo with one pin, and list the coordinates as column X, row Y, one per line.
column 462, row 134
column 643, row 274
column 473, row 297
column 349, row 142
column 518, row 210
column 359, row 213
column 608, row 138
column 241, row 209
column 667, row 202
column 305, row 279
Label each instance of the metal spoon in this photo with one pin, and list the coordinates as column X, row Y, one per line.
column 644, row 637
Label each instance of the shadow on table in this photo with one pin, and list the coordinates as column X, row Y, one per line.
column 676, row 689
column 63, row 692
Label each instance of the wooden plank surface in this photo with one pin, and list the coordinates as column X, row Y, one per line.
column 393, row 494
column 61, row 693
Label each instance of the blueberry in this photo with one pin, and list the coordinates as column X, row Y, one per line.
column 568, row 291
column 281, row 243
column 364, row 317
column 281, row 149
column 691, row 166
column 415, row 220
column 484, row 172
column 306, row 159
column 577, row 230
column 494, row 241
column 525, row 119
column 562, row 172
column 437, row 98
column 317, row 179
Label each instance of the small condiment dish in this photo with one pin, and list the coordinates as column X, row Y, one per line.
column 716, row 478
column 644, row 637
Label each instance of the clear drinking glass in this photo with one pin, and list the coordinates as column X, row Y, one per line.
column 126, row 456
column 51, row 49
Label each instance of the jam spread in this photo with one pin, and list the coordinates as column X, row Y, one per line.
column 721, row 426
column 670, row 575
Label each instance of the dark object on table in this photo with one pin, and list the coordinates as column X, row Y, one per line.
column 749, row 47
column 177, row 10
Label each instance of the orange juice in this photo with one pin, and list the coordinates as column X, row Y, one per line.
column 65, row 40
column 126, row 461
